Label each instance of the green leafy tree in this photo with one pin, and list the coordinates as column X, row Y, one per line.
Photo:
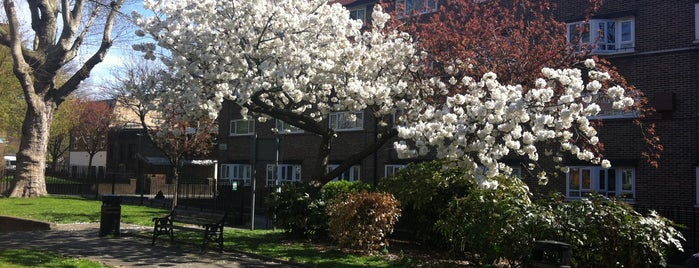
column 12, row 106
column 66, row 118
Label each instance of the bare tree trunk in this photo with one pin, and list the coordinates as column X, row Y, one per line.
column 175, row 182
column 29, row 180
column 90, row 174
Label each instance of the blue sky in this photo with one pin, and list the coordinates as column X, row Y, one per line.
column 121, row 49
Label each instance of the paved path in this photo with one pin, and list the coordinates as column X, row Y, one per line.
column 82, row 241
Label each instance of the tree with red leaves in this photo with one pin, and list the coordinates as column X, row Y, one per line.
column 91, row 132
column 514, row 39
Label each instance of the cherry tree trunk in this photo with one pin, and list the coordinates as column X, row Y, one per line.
column 29, row 180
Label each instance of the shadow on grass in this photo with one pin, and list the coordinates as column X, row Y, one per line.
column 275, row 244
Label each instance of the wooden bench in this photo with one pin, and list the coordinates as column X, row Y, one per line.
column 210, row 223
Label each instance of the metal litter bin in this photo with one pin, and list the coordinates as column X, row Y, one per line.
column 110, row 215
column 549, row 254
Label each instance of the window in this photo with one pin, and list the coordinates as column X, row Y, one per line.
column 285, row 128
column 345, row 121
column 607, row 111
column 76, row 139
column 390, row 170
column 396, row 117
column 242, row 127
column 240, row 173
column 283, row 174
column 613, row 182
column 516, row 171
column 352, row 174
column 411, row 7
column 696, row 22
column 101, row 143
column 358, row 13
column 611, row 36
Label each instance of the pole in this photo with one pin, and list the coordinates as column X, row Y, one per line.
column 139, row 168
column 277, row 186
column 254, row 182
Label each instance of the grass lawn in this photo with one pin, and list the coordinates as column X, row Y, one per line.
column 66, row 209
column 20, row 258
column 60, row 209
column 274, row 244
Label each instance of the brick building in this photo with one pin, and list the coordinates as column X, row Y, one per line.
column 293, row 151
column 654, row 45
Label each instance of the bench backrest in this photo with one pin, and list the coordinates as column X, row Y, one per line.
column 197, row 217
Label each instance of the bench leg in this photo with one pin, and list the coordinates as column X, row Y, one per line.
column 161, row 227
column 213, row 233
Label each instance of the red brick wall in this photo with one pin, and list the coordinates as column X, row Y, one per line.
column 665, row 61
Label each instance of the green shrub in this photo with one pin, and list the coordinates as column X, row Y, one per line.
column 333, row 189
column 442, row 205
column 609, row 233
column 424, row 191
column 298, row 210
column 363, row 220
column 492, row 225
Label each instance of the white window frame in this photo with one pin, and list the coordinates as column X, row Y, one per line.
column 352, row 174
column 595, row 179
column 395, row 117
column 425, row 6
column 240, row 173
column 598, row 32
column 358, row 13
column 341, row 121
column 390, row 169
column 606, row 110
column 233, row 131
column 286, row 128
column 281, row 174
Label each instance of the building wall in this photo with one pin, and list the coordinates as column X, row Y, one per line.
column 78, row 158
column 302, row 148
column 665, row 66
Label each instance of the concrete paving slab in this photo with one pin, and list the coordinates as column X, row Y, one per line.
column 82, row 241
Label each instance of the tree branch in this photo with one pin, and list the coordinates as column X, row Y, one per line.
column 96, row 58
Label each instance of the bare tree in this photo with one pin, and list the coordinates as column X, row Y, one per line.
column 59, row 30
column 137, row 87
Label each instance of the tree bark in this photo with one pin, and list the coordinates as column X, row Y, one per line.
column 29, row 180
column 324, row 150
column 90, row 173
column 175, row 182
column 36, row 70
